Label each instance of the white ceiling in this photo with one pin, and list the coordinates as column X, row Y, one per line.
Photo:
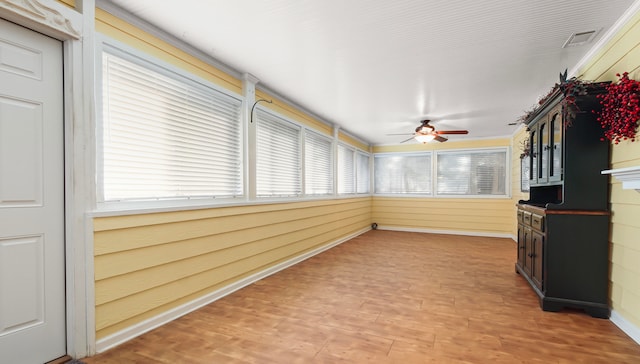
column 378, row 67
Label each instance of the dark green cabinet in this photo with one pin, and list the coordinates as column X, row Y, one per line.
column 563, row 229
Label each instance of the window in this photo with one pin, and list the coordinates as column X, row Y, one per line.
column 457, row 173
column 278, row 156
column 318, row 164
column 472, row 173
column 362, row 173
column 402, row 173
column 165, row 136
column 346, row 170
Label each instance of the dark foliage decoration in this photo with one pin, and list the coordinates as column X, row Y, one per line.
column 620, row 109
column 571, row 88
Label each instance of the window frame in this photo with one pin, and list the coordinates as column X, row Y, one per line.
column 434, row 173
column 369, row 170
column 332, row 163
column 354, row 184
column 406, row 154
column 247, row 156
column 105, row 44
column 300, row 155
column 507, row 159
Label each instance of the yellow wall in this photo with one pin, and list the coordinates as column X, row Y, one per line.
column 517, row 141
column 148, row 264
column 491, row 216
column 69, row 3
column 345, row 138
column 620, row 55
column 287, row 110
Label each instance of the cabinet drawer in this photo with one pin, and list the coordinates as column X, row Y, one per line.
column 520, row 218
column 537, row 222
column 526, row 217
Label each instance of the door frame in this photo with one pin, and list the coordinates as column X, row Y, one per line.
column 75, row 28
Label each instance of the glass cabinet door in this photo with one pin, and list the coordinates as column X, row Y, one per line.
column 533, row 152
column 555, row 145
column 543, row 133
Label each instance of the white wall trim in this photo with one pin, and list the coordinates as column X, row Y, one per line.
column 46, row 18
column 626, row 326
column 447, row 232
column 154, row 322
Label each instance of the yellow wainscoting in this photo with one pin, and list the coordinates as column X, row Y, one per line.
column 148, row 264
column 487, row 216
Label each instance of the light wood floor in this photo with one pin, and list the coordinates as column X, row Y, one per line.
column 386, row 297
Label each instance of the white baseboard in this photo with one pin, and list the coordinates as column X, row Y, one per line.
column 626, row 326
column 150, row 324
column 448, row 232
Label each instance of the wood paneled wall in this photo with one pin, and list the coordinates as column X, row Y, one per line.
column 492, row 217
column 148, row 264
column 622, row 54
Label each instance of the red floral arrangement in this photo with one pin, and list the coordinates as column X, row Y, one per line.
column 620, row 109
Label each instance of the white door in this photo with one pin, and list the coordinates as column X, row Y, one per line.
column 32, row 276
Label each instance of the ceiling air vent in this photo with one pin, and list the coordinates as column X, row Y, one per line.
column 581, row 38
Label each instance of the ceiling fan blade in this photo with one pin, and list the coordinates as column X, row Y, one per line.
column 440, row 139
column 452, row 132
column 399, row 134
column 404, row 141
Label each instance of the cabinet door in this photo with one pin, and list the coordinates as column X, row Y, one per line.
column 528, row 251
column 536, row 251
column 544, row 151
column 555, row 144
column 521, row 245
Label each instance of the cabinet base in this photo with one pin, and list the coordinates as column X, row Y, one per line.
column 555, row 304
column 558, row 304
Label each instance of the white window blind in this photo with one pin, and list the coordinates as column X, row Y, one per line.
column 278, row 156
column 346, row 170
column 362, row 173
column 318, row 164
column 472, row 173
column 402, row 173
column 165, row 136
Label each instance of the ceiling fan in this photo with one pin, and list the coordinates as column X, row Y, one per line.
column 425, row 133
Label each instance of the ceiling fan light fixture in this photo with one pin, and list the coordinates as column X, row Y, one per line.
column 424, row 138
